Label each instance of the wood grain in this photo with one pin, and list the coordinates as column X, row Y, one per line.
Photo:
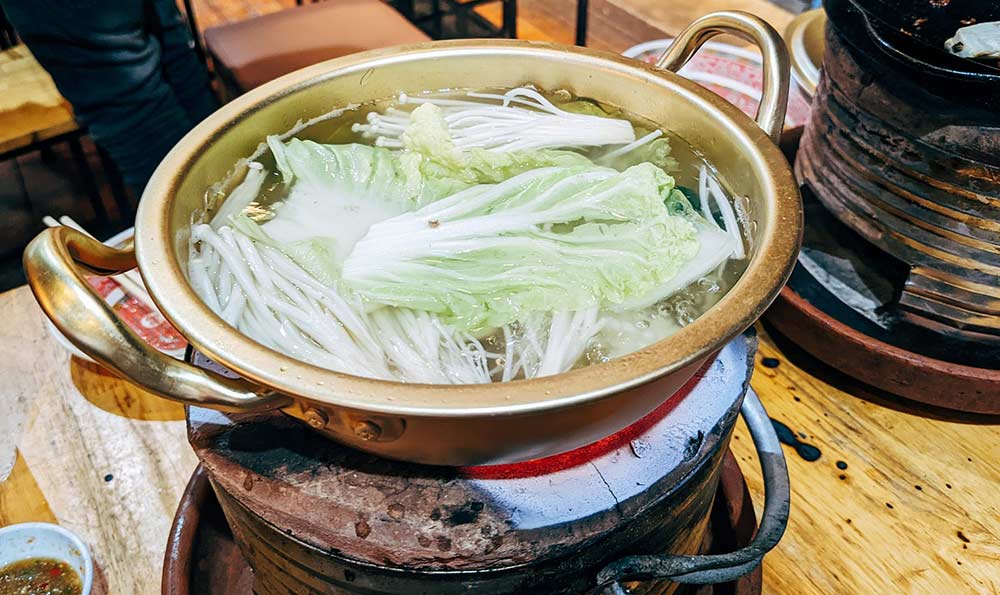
column 104, row 390
column 915, row 510
column 211, row 13
column 672, row 17
column 31, row 109
column 21, row 500
column 115, row 480
column 609, row 27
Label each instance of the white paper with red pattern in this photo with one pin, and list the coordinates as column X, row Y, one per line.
column 732, row 72
column 148, row 323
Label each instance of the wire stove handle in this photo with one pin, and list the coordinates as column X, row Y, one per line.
column 721, row 568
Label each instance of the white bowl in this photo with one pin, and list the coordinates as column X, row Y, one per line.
column 45, row 540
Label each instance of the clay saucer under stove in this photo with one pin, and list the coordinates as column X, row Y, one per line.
column 907, row 374
column 202, row 557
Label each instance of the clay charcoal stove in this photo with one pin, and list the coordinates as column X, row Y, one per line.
column 898, row 283
column 311, row 516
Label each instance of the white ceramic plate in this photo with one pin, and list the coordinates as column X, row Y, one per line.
column 804, row 37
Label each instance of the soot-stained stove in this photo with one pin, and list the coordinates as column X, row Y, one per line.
column 898, row 282
column 311, row 516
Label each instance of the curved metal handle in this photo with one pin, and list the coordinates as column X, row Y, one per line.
column 771, row 110
column 52, row 263
column 703, row 570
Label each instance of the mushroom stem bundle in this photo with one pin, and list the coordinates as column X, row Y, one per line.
column 519, row 119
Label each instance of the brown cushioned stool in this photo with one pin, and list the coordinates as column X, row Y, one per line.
column 250, row 53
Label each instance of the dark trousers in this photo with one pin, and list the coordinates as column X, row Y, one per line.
column 129, row 69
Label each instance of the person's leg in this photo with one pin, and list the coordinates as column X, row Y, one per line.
column 109, row 68
column 182, row 67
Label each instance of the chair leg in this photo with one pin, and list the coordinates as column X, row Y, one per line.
column 86, row 176
column 461, row 20
column 581, row 22
column 407, row 8
column 510, row 18
column 436, row 12
column 118, row 190
column 47, row 155
column 29, row 206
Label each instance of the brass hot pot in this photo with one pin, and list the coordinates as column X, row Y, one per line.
column 435, row 424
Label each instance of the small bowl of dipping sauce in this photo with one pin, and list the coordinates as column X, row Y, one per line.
column 43, row 559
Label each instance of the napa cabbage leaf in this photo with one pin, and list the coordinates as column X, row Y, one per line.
column 550, row 239
column 336, row 192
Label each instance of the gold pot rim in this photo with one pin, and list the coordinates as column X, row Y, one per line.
column 737, row 310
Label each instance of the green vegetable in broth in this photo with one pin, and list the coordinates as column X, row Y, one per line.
column 359, row 185
column 468, row 240
column 550, row 239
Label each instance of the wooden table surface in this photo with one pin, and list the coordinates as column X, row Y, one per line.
column 915, row 510
column 31, row 108
column 900, row 500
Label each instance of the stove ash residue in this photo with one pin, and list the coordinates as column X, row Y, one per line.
column 462, row 515
column 693, row 445
column 274, row 450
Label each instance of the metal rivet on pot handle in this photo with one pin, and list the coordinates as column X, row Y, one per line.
column 315, row 418
column 53, row 263
column 367, row 430
column 720, row 568
column 774, row 99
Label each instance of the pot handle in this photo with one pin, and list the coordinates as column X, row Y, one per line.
column 771, row 110
column 53, row 263
column 720, row 568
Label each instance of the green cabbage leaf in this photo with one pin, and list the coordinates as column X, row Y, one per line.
column 550, row 239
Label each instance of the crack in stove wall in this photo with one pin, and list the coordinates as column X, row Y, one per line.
column 618, row 505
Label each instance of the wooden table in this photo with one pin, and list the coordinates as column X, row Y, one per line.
column 34, row 116
column 31, row 108
column 899, row 501
column 915, row 510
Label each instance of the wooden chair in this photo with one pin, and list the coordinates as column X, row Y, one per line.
column 34, row 117
column 464, row 12
column 249, row 53
column 8, row 37
column 430, row 16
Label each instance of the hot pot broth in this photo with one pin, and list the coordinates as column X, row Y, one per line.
column 254, row 261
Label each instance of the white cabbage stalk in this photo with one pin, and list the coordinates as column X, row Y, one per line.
column 551, row 239
column 241, row 196
column 710, row 188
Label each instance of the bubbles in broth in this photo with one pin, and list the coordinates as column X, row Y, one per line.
column 470, row 237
